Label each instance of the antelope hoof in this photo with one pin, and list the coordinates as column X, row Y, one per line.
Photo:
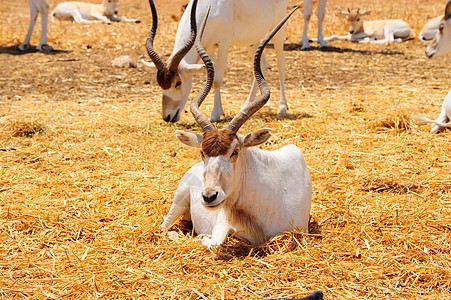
column 24, row 47
column 208, row 242
column 283, row 110
column 44, row 48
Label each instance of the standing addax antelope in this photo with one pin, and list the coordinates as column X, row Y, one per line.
column 440, row 45
column 238, row 187
column 43, row 8
column 231, row 22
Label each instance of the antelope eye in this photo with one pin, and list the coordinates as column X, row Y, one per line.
column 441, row 27
column 202, row 154
column 234, row 153
column 178, row 83
column 358, row 19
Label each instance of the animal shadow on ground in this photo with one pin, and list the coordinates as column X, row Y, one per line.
column 275, row 116
column 235, row 248
column 297, row 47
column 14, row 50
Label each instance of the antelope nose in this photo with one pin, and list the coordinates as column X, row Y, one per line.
column 211, row 198
column 351, row 31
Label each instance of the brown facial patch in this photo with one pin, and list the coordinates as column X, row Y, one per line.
column 217, row 142
column 165, row 77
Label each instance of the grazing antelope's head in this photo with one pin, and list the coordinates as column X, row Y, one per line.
column 441, row 44
column 174, row 76
column 110, row 7
column 355, row 19
column 223, row 151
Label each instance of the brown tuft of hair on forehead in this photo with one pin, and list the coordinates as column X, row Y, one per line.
column 165, row 77
column 217, row 142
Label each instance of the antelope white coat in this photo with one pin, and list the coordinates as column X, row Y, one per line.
column 271, row 191
column 82, row 12
column 43, row 8
column 441, row 45
column 231, row 22
column 430, row 29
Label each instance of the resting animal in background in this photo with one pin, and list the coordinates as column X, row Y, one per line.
column 440, row 45
column 82, row 12
column 430, row 29
column 234, row 22
column 238, row 187
column 307, row 13
column 377, row 32
column 35, row 7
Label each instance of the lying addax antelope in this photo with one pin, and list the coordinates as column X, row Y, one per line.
column 377, row 32
column 234, row 22
column 43, row 8
column 429, row 30
column 440, row 45
column 82, row 12
column 307, row 13
column 237, row 187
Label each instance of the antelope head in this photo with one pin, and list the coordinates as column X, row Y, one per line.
column 441, row 44
column 355, row 19
column 110, row 7
column 224, row 151
column 173, row 76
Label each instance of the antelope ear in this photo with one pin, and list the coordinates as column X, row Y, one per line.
column 148, row 64
column 448, row 10
column 343, row 13
column 189, row 139
column 366, row 12
column 194, row 67
column 257, row 137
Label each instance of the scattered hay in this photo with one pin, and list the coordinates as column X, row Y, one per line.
column 377, row 184
column 81, row 202
column 398, row 121
column 26, row 128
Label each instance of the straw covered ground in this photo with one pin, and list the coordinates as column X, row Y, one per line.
column 88, row 168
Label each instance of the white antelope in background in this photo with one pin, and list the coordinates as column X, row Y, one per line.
column 234, row 22
column 307, row 13
column 43, row 8
column 440, row 45
column 82, row 12
column 430, row 29
column 237, row 187
column 376, row 32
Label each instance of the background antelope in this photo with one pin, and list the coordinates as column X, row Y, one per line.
column 82, row 12
column 238, row 187
column 440, row 45
column 430, row 29
column 377, row 32
column 231, row 22
column 43, row 8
